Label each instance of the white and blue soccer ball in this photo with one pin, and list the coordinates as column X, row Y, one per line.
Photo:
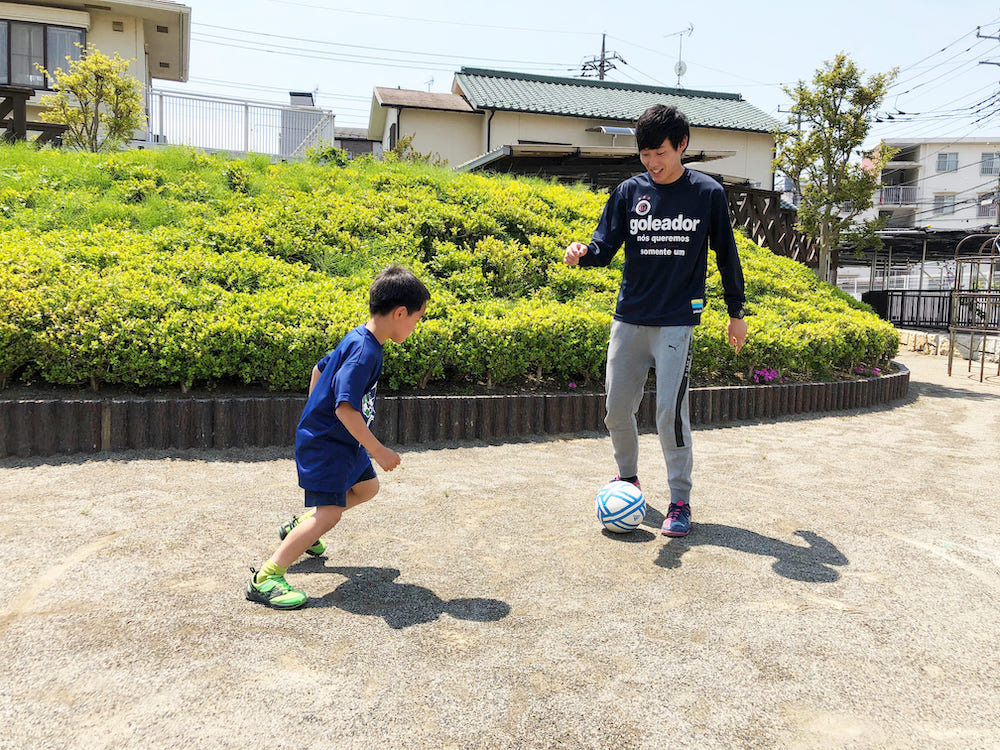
column 620, row 506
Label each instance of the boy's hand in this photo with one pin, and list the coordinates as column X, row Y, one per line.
column 387, row 458
column 574, row 252
column 736, row 333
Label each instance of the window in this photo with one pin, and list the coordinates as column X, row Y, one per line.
column 27, row 41
column 61, row 43
column 990, row 163
column 984, row 205
column 947, row 162
column 25, row 45
column 944, row 203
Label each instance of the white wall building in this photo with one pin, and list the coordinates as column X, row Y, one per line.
column 153, row 34
column 507, row 121
column 941, row 183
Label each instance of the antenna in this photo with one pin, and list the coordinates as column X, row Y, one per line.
column 680, row 68
column 430, row 83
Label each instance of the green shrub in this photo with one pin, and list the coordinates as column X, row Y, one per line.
column 173, row 267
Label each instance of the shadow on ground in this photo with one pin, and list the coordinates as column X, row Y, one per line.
column 375, row 592
column 811, row 563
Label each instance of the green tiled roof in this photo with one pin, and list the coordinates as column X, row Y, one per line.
column 604, row 100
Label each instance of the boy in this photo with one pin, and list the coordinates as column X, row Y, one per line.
column 334, row 438
column 666, row 218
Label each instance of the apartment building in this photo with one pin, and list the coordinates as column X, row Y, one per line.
column 941, row 183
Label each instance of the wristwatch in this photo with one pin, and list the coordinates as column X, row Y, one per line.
column 739, row 314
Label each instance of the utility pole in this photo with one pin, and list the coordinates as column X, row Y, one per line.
column 601, row 65
column 996, row 196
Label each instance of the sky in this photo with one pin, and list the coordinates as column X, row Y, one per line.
column 341, row 51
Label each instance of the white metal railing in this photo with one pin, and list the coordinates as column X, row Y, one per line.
column 898, row 195
column 236, row 125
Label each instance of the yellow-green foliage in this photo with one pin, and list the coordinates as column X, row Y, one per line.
column 174, row 267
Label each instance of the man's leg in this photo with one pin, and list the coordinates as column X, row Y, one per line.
column 629, row 360
column 673, row 368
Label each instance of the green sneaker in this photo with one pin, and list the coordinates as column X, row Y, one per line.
column 275, row 592
column 317, row 549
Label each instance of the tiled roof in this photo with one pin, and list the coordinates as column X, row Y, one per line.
column 605, row 100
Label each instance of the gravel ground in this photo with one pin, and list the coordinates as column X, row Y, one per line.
column 840, row 588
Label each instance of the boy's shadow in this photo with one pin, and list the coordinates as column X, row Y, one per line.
column 810, row 563
column 373, row 591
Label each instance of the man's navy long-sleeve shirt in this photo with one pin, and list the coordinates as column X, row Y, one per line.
column 666, row 231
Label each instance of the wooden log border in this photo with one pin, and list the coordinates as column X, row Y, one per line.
column 57, row 427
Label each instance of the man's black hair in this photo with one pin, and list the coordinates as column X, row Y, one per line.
column 396, row 286
column 660, row 123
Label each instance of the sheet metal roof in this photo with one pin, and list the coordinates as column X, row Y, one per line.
column 605, row 100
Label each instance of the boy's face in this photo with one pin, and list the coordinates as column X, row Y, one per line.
column 663, row 163
column 403, row 322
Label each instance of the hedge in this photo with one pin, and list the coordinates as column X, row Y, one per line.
column 171, row 267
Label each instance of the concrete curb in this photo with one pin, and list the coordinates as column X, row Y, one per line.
column 56, row 427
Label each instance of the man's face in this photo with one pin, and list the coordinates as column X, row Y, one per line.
column 663, row 163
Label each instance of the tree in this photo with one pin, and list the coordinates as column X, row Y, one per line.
column 829, row 123
column 97, row 99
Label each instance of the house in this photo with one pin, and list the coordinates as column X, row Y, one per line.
column 941, row 184
column 568, row 127
column 153, row 34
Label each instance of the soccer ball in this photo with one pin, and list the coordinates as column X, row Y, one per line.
column 620, row 506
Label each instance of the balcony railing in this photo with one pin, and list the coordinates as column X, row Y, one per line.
column 898, row 195
column 235, row 125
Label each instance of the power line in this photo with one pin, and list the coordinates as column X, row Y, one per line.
column 445, row 22
column 363, row 47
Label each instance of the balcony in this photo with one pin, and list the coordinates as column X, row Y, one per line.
column 235, row 125
column 898, row 195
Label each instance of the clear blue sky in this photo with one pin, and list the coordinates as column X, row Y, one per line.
column 342, row 50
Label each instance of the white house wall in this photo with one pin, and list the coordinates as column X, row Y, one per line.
column 754, row 151
column 453, row 136
column 129, row 43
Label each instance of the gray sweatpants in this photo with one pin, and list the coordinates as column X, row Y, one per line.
column 632, row 350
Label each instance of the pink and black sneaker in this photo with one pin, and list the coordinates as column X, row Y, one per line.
column 678, row 520
column 632, row 480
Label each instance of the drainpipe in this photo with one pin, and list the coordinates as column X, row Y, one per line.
column 489, row 130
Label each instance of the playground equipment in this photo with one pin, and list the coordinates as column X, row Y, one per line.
column 975, row 300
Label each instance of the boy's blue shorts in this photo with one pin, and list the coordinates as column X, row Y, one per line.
column 315, row 498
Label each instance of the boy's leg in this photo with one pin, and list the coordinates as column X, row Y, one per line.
column 321, row 519
column 629, row 360
column 268, row 586
column 673, row 423
column 317, row 548
column 362, row 492
column 305, row 534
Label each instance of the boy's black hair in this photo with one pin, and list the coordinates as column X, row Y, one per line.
column 396, row 286
column 660, row 123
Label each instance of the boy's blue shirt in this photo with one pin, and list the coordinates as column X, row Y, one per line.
column 327, row 456
column 666, row 231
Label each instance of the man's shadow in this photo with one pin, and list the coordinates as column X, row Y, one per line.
column 810, row 563
column 373, row 591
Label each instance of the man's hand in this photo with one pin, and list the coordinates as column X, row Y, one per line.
column 736, row 333
column 574, row 252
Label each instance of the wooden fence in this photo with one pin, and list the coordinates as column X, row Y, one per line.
column 759, row 213
column 55, row 427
